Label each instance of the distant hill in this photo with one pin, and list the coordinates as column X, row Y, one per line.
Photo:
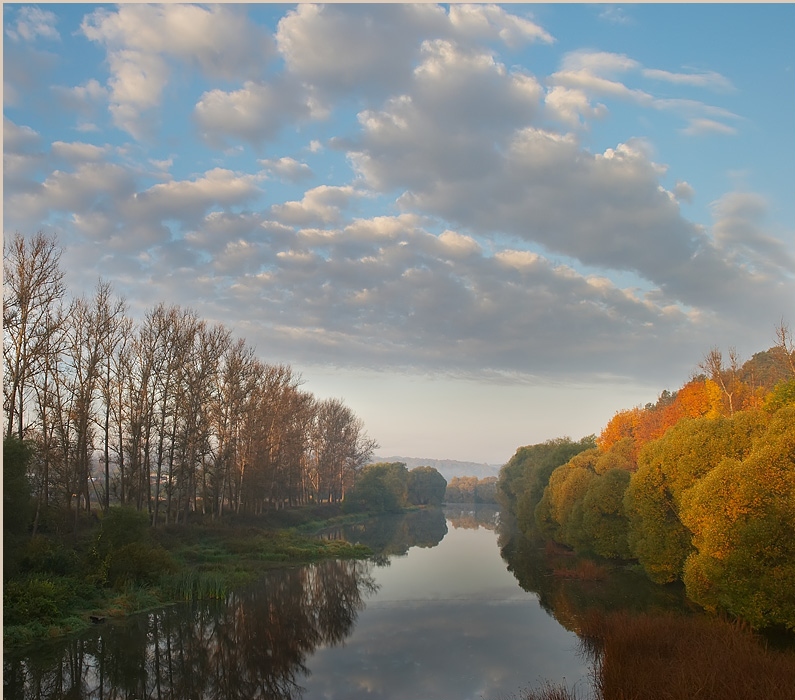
column 448, row 468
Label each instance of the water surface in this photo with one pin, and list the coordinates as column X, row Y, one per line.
column 437, row 617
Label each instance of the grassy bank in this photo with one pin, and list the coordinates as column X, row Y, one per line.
column 674, row 657
column 54, row 586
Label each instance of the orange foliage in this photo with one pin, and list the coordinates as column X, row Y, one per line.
column 699, row 397
column 622, row 425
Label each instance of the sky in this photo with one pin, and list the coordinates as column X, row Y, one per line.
column 481, row 226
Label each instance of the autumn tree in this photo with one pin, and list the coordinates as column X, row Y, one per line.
column 742, row 519
column 667, row 468
column 521, row 483
column 559, row 512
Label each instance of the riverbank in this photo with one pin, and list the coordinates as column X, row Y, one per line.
column 121, row 567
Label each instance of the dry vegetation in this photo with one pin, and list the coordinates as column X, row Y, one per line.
column 675, row 657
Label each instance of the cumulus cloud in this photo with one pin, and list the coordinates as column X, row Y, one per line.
column 461, row 306
column 22, row 157
column 321, row 204
column 78, row 151
column 33, row 22
column 683, row 191
column 603, row 209
column 188, row 200
column 489, row 226
column 372, row 49
column 254, row 113
column 342, row 48
column 462, row 104
column 493, row 22
column 218, row 40
column 572, row 107
column 287, row 168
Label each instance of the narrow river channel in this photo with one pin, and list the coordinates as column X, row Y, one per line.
column 437, row 616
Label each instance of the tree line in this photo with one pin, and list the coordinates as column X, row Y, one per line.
column 389, row 487
column 170, row 415
column 470, row 489
column 698, row 487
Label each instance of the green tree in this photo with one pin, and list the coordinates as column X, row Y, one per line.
column 426, row 486
column 604, row 522
column 522, row 480
column 560, row 512
column 742, row 518
column 381, row 487
column 486, row 490
column 667, row 467
column 17, row 505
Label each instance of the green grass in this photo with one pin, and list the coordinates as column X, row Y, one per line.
column 205, row 560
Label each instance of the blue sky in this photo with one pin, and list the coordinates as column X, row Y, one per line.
column 482, row 226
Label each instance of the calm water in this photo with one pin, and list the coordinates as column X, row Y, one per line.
column 437, row 616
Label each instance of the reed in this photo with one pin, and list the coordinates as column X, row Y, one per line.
column 674, row 657
column 549, row 691
column 198, row 585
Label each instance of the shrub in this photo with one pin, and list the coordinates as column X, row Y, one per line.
column 42, row 555
column 37, row 599
column 138, row 562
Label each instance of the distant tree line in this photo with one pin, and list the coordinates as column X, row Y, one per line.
column 698, row 487
column 470, row 489
column 389, row 487
column 172, row 415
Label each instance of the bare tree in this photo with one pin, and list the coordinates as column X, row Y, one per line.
column 91, row 324
column 786, row 345
column 117, row 338
column 341, row 448
column 727, row 378
column 32, row 289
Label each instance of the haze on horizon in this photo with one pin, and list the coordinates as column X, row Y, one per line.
column 481, row 226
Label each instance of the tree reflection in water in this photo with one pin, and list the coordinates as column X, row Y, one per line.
column 253, row 645
column 568, row 600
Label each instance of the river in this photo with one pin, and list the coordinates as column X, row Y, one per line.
column 440, row 614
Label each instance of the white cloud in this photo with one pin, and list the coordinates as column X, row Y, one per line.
column 461, row 106
column 321, row 204
column 84, row 99
column 615, row 15
column 366, row 48
column 188, row 200
column 740, row 232
column 287, row 168
column 602, row 63
column 683, row 191
column 19, row 139
column 32, row 22
column 705, row 79
column 78, row 151
column 371, row 49
column 572, row 107
column 254, row 113
column 22, row 157
column 701, row 127
column 139, row 39
column 493, row 21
